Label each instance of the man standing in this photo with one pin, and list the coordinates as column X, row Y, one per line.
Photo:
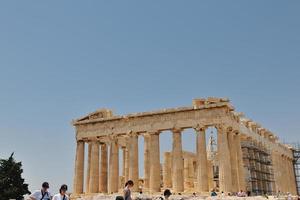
column 42, row 194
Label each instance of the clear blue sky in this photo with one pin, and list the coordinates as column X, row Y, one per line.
column 62, row 59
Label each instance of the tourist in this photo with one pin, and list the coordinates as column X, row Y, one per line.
column 289, row 197
column 42, row 194
column 213, row 193
column 222, row 194
column 278, row 194
column 62, row 193
column 127, row 190
column 241, row 194
column 167, row 194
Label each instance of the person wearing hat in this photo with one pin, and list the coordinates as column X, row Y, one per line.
column 42, row 194
column 62, row 193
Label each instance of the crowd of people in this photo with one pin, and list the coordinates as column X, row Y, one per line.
column 238, row 194
column 44, row 194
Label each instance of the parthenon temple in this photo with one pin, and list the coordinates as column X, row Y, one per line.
column 243, row 155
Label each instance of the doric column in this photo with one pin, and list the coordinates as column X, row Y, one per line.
column 126, row 158
column 191, row 173
column 233, row 159
column 224, row 161
column 103, row 169
column 79, row 167
column 177, row 174
column 154, row 163
column 88, row 171
column 146, row 162
column 94, row 172
column 113, row 180
column 283, row 172
column 167, row 173
column 240, row 163
column 188, row 174
column 202, row 172
column 123, row 161
column 210, row 175
column 289, row 177
column 134, row 161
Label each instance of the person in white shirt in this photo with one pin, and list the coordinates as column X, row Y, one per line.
column 42, row 194
column 62, row 193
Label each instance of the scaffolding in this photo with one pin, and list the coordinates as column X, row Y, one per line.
column 296, row 162
column 258, row 164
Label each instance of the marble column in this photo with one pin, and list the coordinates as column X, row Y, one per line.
column 123, row 161
column 225, row 180
column 188, row 174
column 186, row 180
column 113, row 180
column 88, row 171
column 167, row 171
column 123, row 179
column 154, row 163
column 233, row 160
column 177, row 160
column 146, row 162
column 289, row 178
column 210, row 175
column 191, row 173
column 134, row 161
column 79, row 168
column 202, row 172
column 127, row 153
column 94, row 171
column 103, row 169
column 240, row 163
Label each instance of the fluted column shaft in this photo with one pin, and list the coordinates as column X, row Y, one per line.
column 202, row 171
column 225, row 180
column 134, row 164
column 233, row 160
column 123, row 161
column 94, row 172
column 240, row 163
column 103, row 169
column 126, row 158
column 177, row 174
column 210, row 175
column 88, row 170
column 113, row 181
column 167, row 171
column 79, row 168
column 154, row 163
column 146, row 162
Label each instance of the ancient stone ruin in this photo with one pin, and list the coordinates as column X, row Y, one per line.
column 245, row 157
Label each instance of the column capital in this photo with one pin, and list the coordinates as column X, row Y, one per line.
column 123, row 148
column 220, row 127
column 200, row 128
column 132, row 134
column 176, row 130
column 155, row 132
column 224, row 128
column 146, row 134
column 113, row 137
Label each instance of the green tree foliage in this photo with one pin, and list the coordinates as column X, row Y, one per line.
column 12, row 184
